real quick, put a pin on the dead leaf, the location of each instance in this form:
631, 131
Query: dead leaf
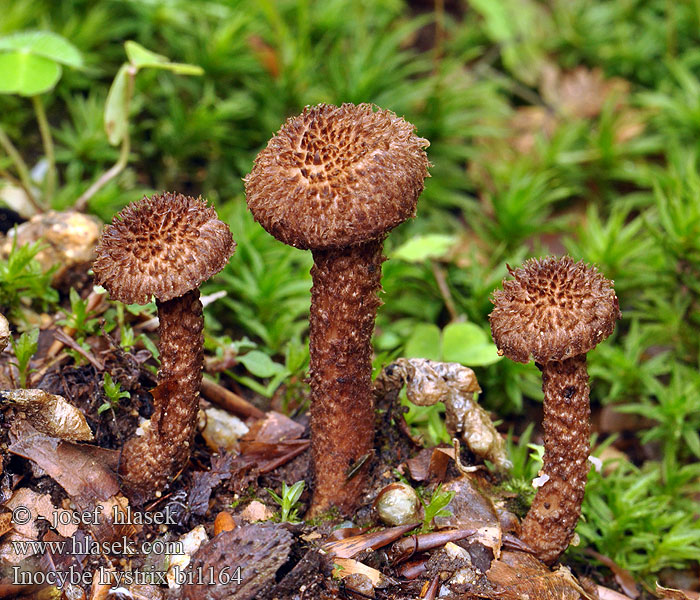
470, 509
622, 576
671, 594
343, 567
517, 575
203, 482
430, 464
83, 471
51, 414
40, 506
605, 593
5, 523
275, 427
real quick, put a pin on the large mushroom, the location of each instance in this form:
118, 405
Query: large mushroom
165, 246
556, 310
335, 180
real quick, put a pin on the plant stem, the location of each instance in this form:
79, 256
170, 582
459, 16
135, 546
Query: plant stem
47, 141
122, 161
21, 167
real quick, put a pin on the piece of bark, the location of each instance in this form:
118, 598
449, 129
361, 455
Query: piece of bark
258, 550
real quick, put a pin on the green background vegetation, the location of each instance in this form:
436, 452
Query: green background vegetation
566, 126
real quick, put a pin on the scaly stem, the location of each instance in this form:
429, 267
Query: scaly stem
21, 167
47, 141
150, 461
552, 518
344, 305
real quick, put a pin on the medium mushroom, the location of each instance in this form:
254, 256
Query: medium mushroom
165, 246
556, 310
335, 180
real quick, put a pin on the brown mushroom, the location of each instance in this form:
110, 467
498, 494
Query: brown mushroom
335, 180
556, 310
165, 246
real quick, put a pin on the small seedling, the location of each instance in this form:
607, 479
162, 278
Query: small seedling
78, 317
25, 347
113, 391
288, 501
436, 507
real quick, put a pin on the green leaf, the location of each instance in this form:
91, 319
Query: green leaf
424, 342
477, 356
26, 74
44, 43
498, 20
422, 247
141, 57
468, 344
260, 364
117, 107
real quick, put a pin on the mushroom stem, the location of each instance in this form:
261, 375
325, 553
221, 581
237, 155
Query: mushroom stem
149, 461
550, 523
344, 305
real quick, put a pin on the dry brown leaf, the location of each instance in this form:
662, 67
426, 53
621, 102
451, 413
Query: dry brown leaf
275, 427
470, 509
5, 523
605, 593
517, 575
671, 594
85, 472
40, 506
348, 566
622, 576
51, 414
430, 464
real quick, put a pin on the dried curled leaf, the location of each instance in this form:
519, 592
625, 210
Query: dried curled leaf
518, 575
50, 414
428, 382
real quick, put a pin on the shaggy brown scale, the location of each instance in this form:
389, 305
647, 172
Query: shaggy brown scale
335, 180
165, 246
556, 310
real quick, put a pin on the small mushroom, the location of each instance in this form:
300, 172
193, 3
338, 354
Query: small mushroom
556, 310
165, 246
335, 180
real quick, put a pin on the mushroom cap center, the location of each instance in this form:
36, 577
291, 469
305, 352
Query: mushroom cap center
337, 176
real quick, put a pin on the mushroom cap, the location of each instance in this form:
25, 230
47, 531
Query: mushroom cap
337, 176
162, 246
553, 309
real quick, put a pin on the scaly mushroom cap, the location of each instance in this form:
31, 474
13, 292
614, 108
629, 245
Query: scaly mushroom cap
554, 309
337, 176
163, 246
